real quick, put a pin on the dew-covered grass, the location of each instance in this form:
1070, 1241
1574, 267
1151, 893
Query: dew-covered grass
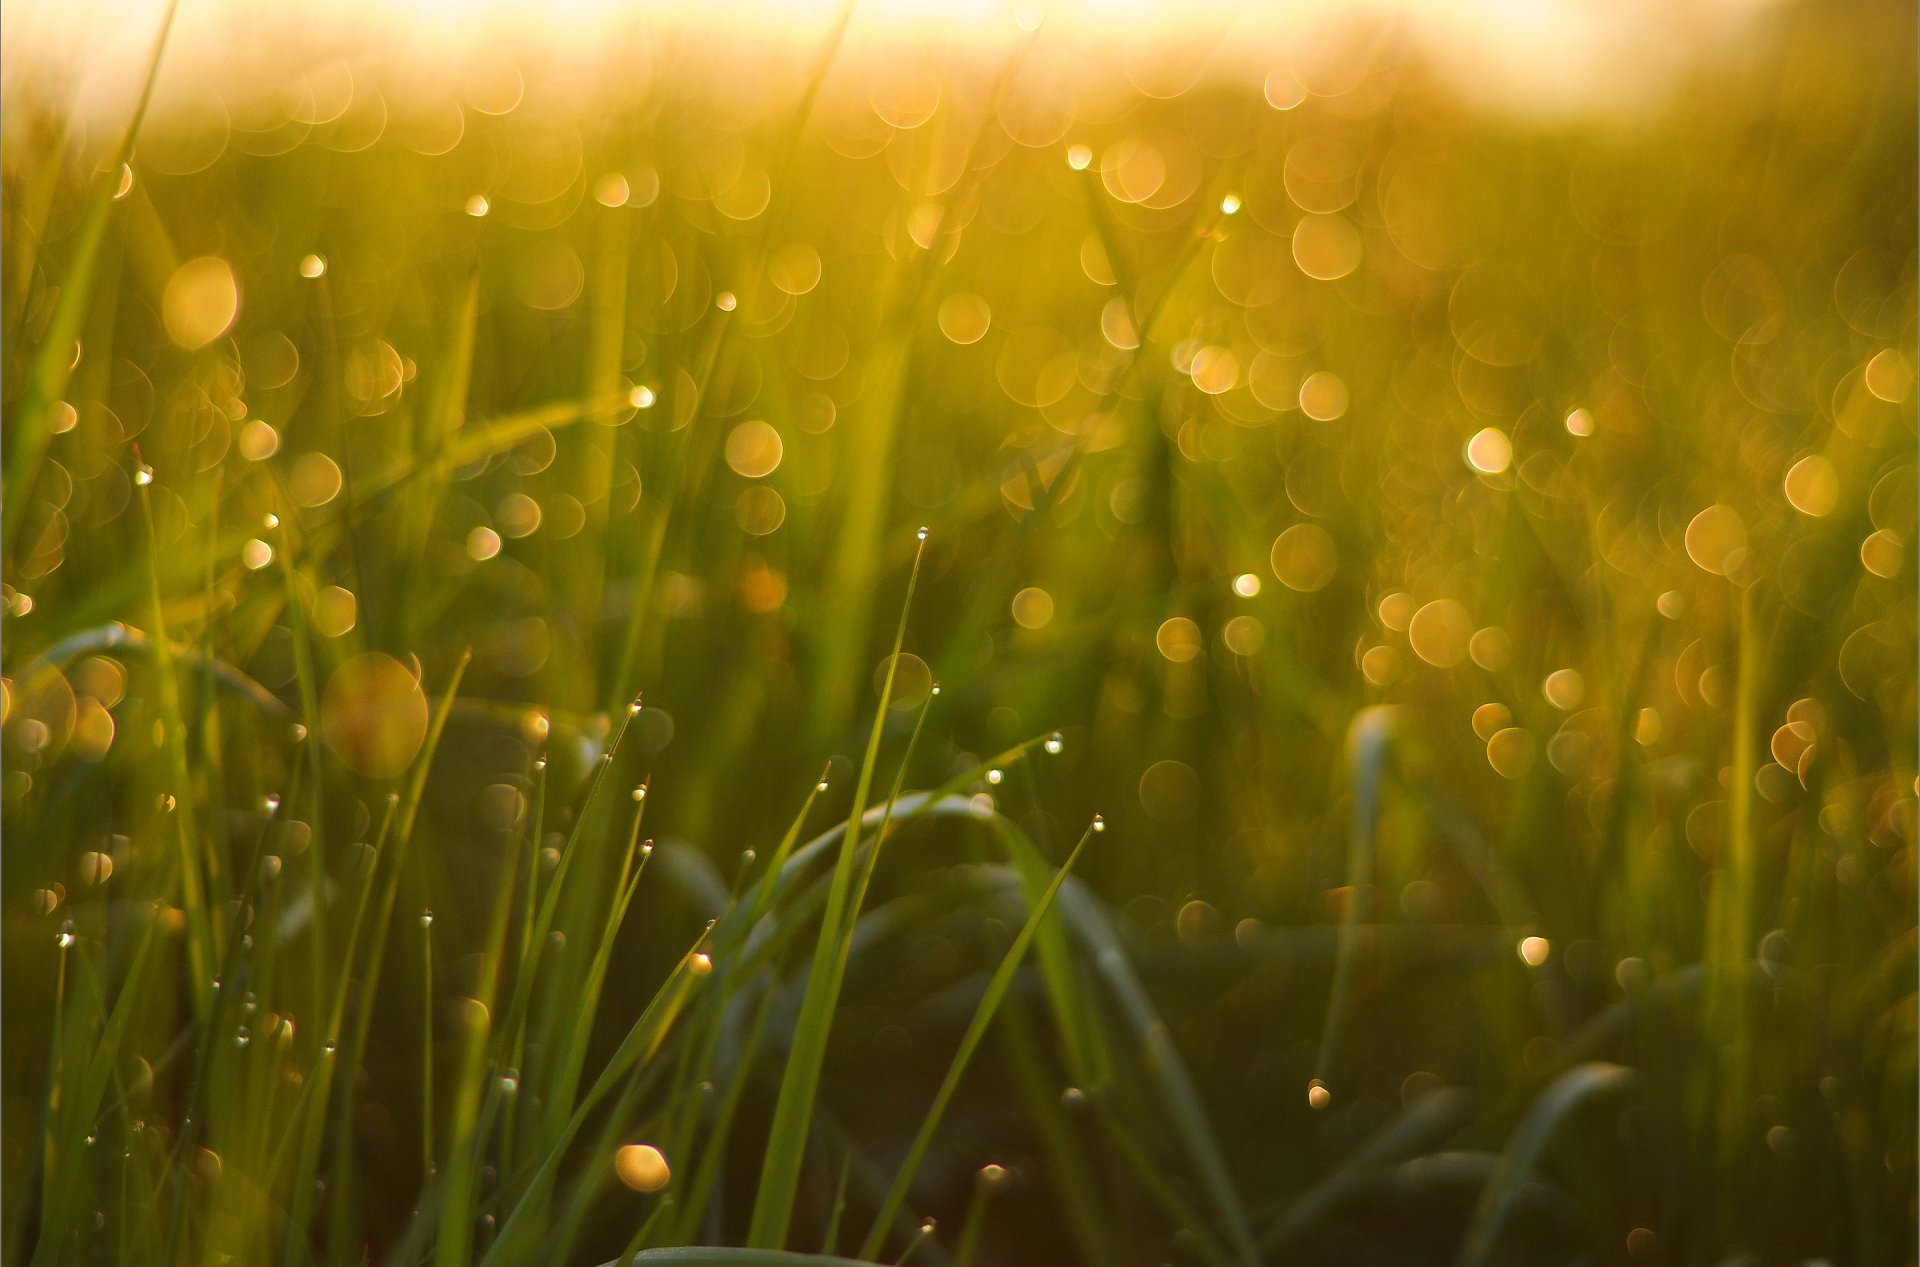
1394, 744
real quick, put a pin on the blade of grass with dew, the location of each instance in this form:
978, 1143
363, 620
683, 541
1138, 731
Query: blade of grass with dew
986, 1180
306, 1168
990, 1000
408, 812
93, 1084
662, 1010
1098, 1229
202, 917
800, 1079
524, 1027
574, 1053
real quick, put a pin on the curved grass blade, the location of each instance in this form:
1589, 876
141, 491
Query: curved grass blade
1549, 1113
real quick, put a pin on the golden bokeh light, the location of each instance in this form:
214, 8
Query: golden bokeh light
1304, 558
373, 714
201, 300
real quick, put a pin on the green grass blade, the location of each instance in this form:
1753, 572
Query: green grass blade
31, 428
800, 1080
990, 1000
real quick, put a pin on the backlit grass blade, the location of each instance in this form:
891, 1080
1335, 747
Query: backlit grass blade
800, 1079
990, 1000
31, 421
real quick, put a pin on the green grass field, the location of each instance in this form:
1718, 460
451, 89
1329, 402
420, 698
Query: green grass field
1422, 765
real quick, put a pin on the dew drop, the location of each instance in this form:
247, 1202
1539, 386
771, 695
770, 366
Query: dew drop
1055, 743
1073, 1098
922, 534
994, 776
426, 919
241, 1037
821, 786
143, 475
297, 732
270, 802
1099, 823
1318, 1097
640, 793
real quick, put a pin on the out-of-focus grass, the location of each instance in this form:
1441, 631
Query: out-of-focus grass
362, 464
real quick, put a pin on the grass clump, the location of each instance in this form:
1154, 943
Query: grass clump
494, 773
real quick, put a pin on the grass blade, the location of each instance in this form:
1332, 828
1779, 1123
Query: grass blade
990, 1000
800, 1080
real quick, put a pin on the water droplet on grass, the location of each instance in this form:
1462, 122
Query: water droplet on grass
1055, 743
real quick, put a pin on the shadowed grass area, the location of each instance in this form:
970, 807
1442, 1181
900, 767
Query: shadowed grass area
1451, 574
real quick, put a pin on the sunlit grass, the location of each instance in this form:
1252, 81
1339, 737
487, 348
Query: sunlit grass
1451, 574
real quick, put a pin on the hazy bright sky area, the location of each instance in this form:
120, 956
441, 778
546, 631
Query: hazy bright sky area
1546, 55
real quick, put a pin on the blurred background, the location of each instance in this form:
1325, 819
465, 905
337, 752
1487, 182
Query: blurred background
1542, 372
